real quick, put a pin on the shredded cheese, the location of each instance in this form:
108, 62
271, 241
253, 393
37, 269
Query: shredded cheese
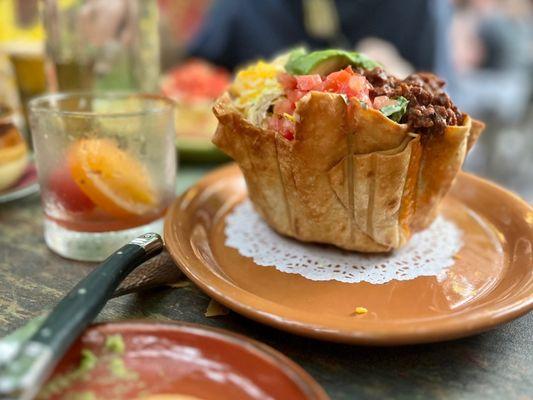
250, 83
291, 118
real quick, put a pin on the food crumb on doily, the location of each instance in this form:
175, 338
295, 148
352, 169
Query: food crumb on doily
360, 310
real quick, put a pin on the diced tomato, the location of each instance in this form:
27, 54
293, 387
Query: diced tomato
67, 192
309, 82
284, 106
357, 83
274, 123
288, 128
282, 125
289, 135
295, 95
336, 81
383, 101
288, 82
347, 82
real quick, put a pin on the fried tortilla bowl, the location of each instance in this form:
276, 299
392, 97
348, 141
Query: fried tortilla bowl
351, 177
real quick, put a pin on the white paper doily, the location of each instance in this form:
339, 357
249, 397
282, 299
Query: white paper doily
428, 253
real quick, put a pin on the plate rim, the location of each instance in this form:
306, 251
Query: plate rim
471, 322
198, 149
13, 193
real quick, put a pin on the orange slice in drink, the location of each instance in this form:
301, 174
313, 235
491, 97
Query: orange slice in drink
111, 177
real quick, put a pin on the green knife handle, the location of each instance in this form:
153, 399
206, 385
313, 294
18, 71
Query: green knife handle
71, 316
83, 303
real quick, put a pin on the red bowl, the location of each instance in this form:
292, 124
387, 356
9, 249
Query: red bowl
180, 359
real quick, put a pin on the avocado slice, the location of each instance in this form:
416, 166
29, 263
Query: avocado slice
324, 62
296, 53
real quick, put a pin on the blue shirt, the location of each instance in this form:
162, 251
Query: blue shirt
237, 31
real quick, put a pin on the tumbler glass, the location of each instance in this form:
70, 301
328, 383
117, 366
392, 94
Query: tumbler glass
102, 44
106, 165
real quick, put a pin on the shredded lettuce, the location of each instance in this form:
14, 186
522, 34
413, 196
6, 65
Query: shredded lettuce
396, 111
257, 111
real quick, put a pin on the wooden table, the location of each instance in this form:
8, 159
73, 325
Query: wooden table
493, 365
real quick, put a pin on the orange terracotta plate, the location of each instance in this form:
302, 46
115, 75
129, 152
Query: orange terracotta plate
490, 283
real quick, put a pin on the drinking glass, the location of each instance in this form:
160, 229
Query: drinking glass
22, 41
106, 165
28, 64
102, 44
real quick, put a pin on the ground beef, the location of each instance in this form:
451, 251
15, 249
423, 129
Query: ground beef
429, 110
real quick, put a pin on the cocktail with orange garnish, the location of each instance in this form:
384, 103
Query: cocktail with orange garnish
106, 167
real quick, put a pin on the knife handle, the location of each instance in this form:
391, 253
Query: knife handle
74, 312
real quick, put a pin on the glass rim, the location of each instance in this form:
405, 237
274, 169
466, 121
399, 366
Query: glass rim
41, 104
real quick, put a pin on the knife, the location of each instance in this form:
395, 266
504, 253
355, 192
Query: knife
24, 367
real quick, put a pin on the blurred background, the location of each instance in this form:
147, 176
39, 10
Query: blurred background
188, 49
